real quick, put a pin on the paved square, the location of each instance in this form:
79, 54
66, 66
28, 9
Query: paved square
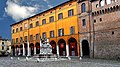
7, 62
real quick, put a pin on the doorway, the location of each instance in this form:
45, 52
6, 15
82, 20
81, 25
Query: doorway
85, 48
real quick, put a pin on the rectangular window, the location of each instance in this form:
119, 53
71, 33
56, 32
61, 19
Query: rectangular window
31, 25
83, 22
16, 40
31, 37
94, 21
13, 31
43, 21
44, 35
2, 47
61, 32
51, 34
21, 40
51, 19
37, 23
70, 12
2, 42
17, 30
60, 16
37, 37
20, 28
72, 30
100, 19
25, 38
83, 7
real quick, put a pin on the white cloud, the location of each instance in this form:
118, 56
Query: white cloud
21, 9
50, 6
18, 12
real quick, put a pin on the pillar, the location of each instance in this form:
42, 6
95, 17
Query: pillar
34, 50
28, 47
23, 50
40, 43
105, 2
81, 54
67, 50
58, 50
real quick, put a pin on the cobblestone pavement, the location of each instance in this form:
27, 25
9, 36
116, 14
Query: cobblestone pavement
7, 62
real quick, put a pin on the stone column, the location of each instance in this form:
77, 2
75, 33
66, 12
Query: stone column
40, 44
67, 50
58, 50
28, 47
34, 50
81, 54
105, 2
23, 50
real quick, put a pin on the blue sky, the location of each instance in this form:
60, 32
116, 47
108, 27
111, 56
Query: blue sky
12, 11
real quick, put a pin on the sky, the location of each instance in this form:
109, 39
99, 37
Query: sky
12, 11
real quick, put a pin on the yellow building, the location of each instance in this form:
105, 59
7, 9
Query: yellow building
58, 24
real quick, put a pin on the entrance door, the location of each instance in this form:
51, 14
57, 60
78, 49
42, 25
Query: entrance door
26, 51
13, 50
62, 47
53, 44
37, 48
21, 49
85, 48
73, 47
32, 49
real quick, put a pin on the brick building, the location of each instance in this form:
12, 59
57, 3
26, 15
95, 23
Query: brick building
106, 28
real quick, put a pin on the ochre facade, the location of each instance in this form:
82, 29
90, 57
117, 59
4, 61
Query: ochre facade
65, 23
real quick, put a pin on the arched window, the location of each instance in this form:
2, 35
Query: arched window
13, 31
102, 2
97, 5
108, 1
16, 29
83, 7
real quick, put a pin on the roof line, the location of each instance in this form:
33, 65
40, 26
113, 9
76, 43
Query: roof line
43, 12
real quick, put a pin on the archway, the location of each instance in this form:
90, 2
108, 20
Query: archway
21, 49
17, 50
62, 47
37, 48
32, 49
13, 50
25, 46
53, 44
85, 48
73, 47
